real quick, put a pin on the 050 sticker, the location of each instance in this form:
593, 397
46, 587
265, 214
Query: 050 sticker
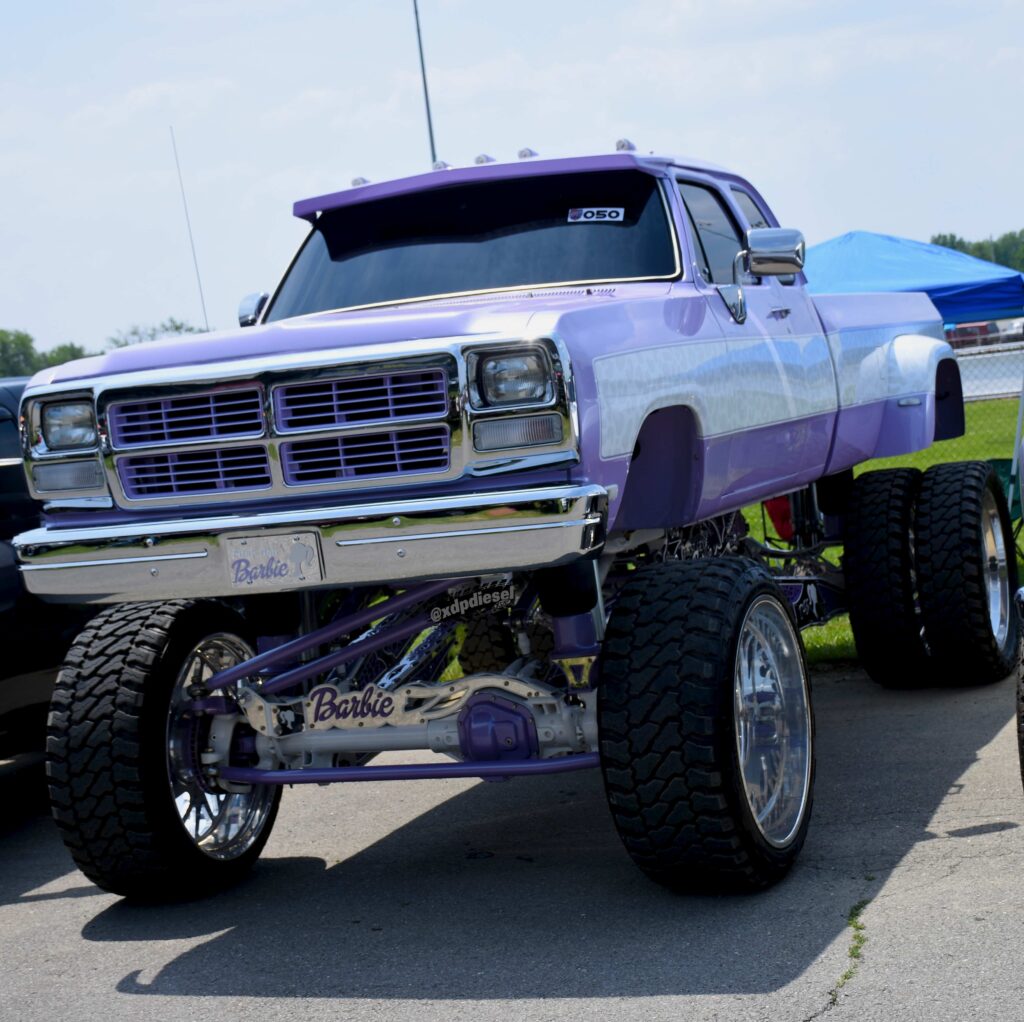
590, 214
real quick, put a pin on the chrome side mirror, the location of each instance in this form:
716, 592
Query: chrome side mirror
774, 251
770, 252
250, 307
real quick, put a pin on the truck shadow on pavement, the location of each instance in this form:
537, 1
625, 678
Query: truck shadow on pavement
523, 889
31, 854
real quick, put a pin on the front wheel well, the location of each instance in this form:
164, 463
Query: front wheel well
666, 472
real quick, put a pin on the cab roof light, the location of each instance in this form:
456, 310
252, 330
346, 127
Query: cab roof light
527, 153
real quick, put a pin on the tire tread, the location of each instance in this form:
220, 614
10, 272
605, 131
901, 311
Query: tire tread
951, 571
96, 758
665, 738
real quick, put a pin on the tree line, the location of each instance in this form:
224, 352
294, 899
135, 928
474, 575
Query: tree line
1007, 249
19, 356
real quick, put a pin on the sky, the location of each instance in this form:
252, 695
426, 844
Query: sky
900, 117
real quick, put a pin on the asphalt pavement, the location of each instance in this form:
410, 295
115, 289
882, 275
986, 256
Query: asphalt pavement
515, 901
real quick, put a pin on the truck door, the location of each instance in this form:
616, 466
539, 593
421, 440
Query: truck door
782, 401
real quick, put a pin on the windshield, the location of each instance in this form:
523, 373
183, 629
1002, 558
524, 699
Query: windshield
558, 229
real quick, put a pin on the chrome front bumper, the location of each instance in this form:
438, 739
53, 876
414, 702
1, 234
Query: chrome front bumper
401, 541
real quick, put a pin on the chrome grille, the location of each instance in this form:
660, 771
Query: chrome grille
355, 400
198, 417
372, 455
185, 473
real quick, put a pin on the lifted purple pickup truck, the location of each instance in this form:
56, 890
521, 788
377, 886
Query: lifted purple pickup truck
469, 483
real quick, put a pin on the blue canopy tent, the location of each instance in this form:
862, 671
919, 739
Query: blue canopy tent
963, 288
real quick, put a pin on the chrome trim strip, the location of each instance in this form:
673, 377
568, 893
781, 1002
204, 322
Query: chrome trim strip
10, 462
461, 532
116, 560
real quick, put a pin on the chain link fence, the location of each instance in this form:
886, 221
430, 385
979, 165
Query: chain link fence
991, 363
992, 373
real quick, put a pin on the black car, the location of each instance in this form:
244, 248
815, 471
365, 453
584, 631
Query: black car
34, 635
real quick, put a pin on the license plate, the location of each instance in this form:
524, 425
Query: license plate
274, 562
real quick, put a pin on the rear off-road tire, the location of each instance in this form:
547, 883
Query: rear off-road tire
881, 578
967, 573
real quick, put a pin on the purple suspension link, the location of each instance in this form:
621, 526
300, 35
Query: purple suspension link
410, 771
350, 652
291, 651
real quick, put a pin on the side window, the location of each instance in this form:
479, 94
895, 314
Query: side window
716, 232
756, 218
749, 209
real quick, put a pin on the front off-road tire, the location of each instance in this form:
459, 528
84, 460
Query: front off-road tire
967, 573
705, 724
881, 578
120, 734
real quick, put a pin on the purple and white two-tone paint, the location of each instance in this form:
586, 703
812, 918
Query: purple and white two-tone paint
402, 508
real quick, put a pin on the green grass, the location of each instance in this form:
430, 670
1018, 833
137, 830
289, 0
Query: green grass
853, 952
991, 426
830, 642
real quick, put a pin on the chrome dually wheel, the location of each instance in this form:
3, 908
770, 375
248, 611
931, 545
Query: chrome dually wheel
996, 568
772, 720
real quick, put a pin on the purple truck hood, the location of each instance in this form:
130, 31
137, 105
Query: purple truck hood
475, 317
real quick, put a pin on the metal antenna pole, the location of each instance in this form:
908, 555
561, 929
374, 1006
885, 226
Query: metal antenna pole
426, 94
188, 224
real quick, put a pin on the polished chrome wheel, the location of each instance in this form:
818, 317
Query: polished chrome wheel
997, 572
222, 825
773, 721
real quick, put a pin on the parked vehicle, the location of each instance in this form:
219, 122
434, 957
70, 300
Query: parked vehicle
970, 335
37, 634
525, 403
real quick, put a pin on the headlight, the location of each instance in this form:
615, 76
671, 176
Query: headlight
69, 425
511, 378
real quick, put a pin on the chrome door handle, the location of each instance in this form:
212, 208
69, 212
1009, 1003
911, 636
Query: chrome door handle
780, 312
